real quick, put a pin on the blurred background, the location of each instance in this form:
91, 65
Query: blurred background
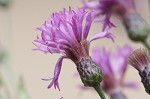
18, 25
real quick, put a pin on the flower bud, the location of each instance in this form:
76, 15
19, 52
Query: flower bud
136, 27
140, 60
4, 3
89, 72
145, 78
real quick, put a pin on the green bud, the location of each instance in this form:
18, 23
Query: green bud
89, 72
136, 27
4, 3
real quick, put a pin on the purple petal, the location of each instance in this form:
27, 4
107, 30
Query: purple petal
89, 20
53, 50
131, 84
41, 48
91, 4
74, 27
56, 74
102, 35
43, 30
107, 24
117, 64
125, 51
103, 62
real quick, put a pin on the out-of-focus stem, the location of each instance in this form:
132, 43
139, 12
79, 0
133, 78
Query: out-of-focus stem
100, 91
7, 30
8, 39
146, 44
6, 90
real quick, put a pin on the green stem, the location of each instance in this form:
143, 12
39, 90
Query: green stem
100, 91
7, 26
146, 44
6, 90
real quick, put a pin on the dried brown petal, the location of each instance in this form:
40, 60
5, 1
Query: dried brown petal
139, 59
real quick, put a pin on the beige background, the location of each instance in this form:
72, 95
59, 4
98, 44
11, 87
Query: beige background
25, 16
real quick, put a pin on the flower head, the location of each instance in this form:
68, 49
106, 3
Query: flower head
140, 59
109, 7
113, 66
66, 32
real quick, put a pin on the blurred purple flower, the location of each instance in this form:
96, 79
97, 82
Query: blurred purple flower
114, 66
109, 7
66, 32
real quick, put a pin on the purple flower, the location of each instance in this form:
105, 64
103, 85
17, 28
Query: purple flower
66, 32
109, 7
113, 66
